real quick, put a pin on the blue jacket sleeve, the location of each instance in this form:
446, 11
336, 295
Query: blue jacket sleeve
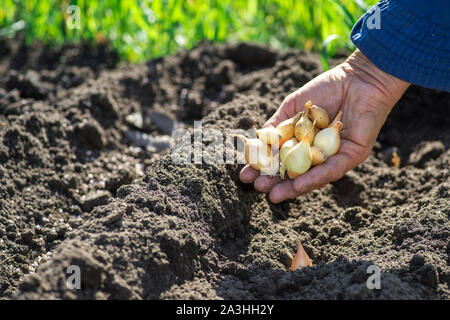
409, 39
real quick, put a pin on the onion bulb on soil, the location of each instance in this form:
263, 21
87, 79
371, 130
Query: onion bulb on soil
259, 155
303, 126
301, 258
318, 114
285, 148
329, 139
318, 156
299, 158
269, 135
287, 128
396, 160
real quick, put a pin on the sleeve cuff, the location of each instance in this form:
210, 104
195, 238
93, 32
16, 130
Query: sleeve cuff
405, 46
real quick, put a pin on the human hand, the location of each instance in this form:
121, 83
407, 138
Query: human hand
364, 93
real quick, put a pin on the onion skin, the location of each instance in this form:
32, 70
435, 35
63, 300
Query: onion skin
318, 157
329, 139
301, 258
269, 135
282, 170
303, 126
274, 167
299, 158
316, 130
287, 128
318, 114
259, 155
285, 148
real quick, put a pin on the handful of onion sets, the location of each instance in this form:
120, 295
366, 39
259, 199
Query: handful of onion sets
296, 144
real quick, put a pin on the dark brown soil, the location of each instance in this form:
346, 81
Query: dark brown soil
76, 191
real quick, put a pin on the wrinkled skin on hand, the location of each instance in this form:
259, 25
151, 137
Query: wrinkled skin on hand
366, 96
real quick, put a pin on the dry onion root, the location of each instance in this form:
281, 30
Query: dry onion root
308, 139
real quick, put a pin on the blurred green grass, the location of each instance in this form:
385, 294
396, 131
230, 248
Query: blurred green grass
140, 30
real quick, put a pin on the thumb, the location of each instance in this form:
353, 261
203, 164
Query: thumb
286, 110
291, 105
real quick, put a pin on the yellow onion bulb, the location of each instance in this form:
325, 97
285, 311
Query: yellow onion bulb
258, 155
301, 258
303, 126
269, 135
299, 158
329, 139
318, 156
318, 114
274, 166
284, 150
287, 128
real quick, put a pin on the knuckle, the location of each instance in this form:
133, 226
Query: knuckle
288, 101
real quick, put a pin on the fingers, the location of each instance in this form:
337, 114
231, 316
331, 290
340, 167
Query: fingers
284, 111
248, 174
315, 178
333, 169
266, 183
283, 191
349, 156
262, 183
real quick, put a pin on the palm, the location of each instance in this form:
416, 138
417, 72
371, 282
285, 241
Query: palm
364, 110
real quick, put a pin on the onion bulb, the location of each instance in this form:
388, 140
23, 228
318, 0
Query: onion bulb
299, 158
303, 126
301, 258
329, 139
287, 128
269, 135
285, 148
318, 114
259, 155
318, 157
